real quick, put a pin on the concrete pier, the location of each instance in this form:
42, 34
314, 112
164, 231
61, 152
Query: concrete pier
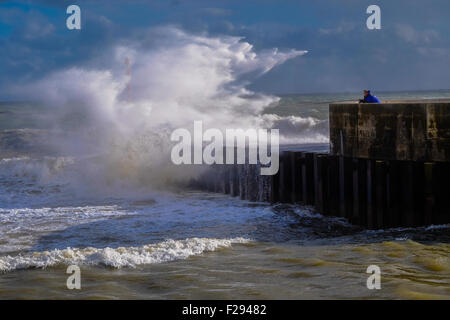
393, 130
388, 166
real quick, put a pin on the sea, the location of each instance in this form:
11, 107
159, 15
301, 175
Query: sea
71, 206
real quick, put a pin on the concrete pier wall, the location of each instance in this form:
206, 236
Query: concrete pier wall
393, 130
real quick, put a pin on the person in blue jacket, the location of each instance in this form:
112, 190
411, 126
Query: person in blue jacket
369, 98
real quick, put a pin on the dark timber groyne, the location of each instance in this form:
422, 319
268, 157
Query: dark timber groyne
388, 166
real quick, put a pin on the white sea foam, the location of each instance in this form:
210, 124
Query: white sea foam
22, 227
438, 227
297, 129
74, 213
165, 251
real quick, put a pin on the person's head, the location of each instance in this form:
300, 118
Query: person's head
366, 93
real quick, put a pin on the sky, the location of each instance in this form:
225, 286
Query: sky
411, 51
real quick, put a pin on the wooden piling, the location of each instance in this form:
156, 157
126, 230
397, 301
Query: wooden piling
242, 176
234, 181
345, 187
252, 176
219, 179
274, 187
297, 183
210, 180
419, 193
264, 188
429, 188
371, 210
320, 183
359, 215
285, 183
393, 194
407, 194
380, 182
308, 178
332, 185
356, 205
442, 193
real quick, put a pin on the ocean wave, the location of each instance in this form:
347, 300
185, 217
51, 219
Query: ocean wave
298, 130
26, 141
22, 227
179, 79
33, 168
14, 214
168, 250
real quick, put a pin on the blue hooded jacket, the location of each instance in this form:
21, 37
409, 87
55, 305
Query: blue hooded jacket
371, 99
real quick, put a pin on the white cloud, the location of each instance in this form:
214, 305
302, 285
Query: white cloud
413, 36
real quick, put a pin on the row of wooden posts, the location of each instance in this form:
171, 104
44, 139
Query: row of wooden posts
371, 193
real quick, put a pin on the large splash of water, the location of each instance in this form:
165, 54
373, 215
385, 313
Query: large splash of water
123, 118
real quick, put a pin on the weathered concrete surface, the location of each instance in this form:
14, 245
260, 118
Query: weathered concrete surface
393, 130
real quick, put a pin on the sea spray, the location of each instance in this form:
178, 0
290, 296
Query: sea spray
126, 118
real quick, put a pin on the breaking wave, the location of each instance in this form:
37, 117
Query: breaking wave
299, 130
165, 251
127, 106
